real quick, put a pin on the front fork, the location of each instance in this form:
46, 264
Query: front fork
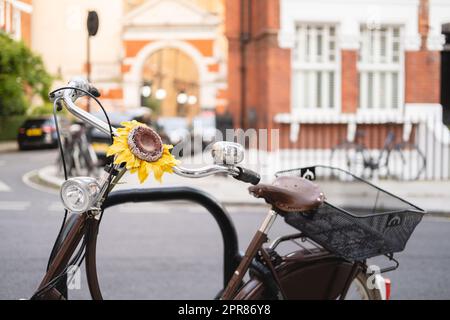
258, 240
61, 259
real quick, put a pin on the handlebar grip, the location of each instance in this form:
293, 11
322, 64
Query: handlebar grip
248, 176
94, 91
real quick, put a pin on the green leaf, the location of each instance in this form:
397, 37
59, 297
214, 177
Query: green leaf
22, 76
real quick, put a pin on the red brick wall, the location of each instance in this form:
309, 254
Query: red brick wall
314, 136
26, 24
327, 136
422, 74
132, 47
423, 68
206, 47
112, 94
234, 79
350, 85
26, 28
267, 66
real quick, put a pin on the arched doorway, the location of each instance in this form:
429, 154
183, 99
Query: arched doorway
171, 83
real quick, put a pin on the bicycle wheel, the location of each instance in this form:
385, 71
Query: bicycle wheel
359, 289
349, 156
406, 162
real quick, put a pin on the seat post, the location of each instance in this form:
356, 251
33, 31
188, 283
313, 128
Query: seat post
255, 245
268, 222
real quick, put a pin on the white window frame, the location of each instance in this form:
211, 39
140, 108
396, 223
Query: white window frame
16, 24
299, 89
8, 16
2, 13
379, 68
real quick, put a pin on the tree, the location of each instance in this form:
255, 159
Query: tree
22, 76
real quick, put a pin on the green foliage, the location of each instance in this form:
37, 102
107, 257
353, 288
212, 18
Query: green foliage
9, 127
22, 76
43, 110
12, 98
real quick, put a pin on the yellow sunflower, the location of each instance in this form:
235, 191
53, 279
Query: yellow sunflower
141, 149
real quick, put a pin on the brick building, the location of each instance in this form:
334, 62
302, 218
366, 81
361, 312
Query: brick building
294, 65
15, 19
312, 68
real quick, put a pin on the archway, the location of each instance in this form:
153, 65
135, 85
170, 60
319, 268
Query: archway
133, 78
171, 83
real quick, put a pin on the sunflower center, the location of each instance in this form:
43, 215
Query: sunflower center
145, 144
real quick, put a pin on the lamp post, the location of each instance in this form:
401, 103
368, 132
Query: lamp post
92, 27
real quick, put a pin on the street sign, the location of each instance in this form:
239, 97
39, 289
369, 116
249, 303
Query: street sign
92, 23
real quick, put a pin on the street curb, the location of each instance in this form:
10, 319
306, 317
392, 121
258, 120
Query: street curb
48, 176
8, 146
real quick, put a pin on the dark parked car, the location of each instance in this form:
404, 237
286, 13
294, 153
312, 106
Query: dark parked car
101, 141
37, 133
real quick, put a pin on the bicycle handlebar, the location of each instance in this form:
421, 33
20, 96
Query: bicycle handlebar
69, 96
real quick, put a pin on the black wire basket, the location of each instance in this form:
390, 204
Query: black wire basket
358, 220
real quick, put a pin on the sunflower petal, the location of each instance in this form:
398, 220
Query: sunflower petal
114, 148
134, 170
123, 156
158, 173
143, 172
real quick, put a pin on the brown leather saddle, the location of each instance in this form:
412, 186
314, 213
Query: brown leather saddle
290, 194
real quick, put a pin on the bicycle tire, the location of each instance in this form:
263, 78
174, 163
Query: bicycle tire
421, 161
352, 152
373, 294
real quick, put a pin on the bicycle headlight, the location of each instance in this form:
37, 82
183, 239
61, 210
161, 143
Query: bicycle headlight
79, 194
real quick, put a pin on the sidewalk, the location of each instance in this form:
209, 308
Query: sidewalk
8, 146
432, 196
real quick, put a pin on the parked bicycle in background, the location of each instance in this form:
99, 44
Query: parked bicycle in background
399, 159
79, 154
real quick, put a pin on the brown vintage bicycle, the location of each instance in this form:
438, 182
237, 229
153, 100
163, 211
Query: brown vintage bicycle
332, 246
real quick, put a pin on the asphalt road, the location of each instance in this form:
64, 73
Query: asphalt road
162, 251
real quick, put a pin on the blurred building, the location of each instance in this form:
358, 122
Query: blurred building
177, 49
314, 66
297, 65
15, 19
171, 53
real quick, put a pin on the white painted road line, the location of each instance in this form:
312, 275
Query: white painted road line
56, 206
14, 205
4, 187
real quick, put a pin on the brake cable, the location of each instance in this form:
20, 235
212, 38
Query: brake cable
80, 253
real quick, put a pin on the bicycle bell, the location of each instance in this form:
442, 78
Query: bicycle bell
229, 153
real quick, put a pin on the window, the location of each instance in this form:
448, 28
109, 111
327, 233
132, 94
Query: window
16, 24
380, 68
7, 16
2, 13
315, 67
